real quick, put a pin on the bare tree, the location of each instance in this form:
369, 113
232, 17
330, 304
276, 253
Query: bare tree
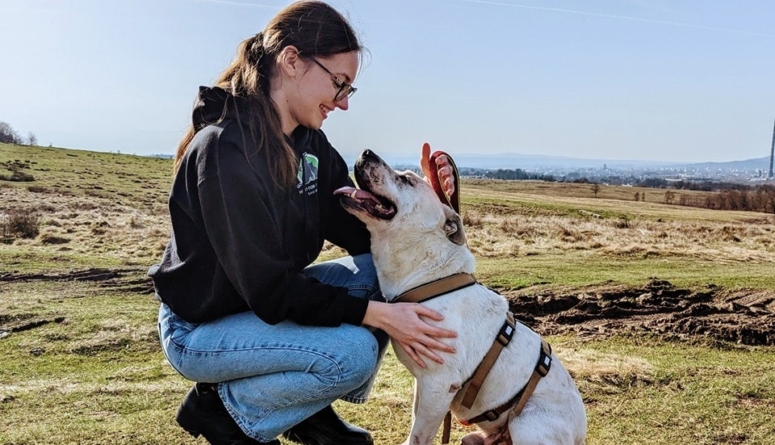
8, 135
32, 139
637, 196
669, 197
595, 189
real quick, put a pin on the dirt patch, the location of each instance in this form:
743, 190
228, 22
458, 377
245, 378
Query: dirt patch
75, 275
27, 325
123, 280
743, 317
23, 322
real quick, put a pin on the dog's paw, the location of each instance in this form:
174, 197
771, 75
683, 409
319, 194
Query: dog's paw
472, 439
478, 438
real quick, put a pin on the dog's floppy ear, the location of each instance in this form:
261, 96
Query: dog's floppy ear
453, 227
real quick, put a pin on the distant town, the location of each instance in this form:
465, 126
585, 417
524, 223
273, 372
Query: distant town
751, 172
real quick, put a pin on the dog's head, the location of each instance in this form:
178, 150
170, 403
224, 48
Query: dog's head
388, 198
411, 229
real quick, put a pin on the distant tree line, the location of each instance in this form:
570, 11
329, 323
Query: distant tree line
754, 199
702, 185
727, 196
505, 174
9, 136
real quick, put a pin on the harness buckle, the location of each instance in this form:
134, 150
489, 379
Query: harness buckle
491, 415
544, 365
505, 334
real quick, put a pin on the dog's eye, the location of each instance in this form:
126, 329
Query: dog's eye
405, 179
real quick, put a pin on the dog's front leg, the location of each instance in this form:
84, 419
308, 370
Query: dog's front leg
431, 403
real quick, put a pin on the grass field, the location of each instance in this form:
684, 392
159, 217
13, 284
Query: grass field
81, 362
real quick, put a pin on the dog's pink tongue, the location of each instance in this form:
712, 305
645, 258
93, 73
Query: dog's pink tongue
366, 201
353, 192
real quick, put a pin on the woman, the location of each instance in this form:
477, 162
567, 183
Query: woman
271, 340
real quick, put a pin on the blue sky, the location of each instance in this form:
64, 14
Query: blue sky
666, 80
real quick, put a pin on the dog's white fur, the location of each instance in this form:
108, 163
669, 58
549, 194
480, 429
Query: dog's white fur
423, 242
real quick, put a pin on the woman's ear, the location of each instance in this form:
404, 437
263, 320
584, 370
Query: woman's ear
289, 62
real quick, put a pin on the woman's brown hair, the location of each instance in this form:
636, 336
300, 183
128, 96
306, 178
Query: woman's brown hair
316, 30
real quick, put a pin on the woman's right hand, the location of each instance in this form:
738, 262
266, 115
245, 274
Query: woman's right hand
405, 324
445, 171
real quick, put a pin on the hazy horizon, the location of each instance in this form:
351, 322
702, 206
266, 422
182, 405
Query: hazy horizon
518, 160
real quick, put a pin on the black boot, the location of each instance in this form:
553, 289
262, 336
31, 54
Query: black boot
326, 428
202, 412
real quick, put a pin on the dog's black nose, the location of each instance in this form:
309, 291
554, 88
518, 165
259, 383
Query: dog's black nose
369, 155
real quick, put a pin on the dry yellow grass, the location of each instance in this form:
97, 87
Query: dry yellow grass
498, 235
91, 226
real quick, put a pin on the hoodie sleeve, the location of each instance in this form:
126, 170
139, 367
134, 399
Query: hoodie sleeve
242, 217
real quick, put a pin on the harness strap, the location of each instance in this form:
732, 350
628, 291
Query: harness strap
520, 399
476, 381
541, 369
436, 288
447, 428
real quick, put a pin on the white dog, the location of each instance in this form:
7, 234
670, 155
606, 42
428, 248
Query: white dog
415, 239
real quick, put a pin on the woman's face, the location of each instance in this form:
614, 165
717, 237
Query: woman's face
311, 97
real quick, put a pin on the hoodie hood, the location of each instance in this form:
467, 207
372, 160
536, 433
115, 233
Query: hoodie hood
214, 104
211, 106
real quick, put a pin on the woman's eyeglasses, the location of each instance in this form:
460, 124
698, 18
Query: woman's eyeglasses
345, 89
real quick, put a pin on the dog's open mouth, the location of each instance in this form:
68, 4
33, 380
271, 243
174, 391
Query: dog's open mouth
376, 206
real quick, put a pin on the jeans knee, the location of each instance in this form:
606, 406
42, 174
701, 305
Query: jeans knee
360, 360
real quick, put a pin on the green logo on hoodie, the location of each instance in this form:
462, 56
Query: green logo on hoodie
308, 172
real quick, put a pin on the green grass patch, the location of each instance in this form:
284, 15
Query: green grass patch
588, 268
135, 180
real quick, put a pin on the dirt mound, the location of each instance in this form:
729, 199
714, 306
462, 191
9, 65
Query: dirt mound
744, 317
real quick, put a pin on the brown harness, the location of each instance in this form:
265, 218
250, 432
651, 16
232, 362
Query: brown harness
437, 288
474, 384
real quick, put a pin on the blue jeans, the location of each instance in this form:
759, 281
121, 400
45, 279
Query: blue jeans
272, 377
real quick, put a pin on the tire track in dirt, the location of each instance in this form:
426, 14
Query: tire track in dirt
110, 280
125, 280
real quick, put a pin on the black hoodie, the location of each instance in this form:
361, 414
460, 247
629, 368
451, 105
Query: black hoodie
239, 243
